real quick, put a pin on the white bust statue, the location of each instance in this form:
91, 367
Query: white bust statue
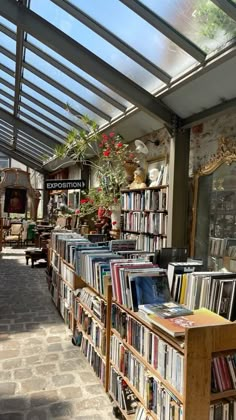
153, 176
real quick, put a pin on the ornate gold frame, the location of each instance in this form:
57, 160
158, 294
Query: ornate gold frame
226, 153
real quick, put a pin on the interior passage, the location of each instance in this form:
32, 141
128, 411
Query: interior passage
42, 375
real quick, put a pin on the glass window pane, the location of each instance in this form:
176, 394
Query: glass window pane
61, 96
201, 21
77, 70
71, 84
45, 113
104, 49
31, 151
7, 90
8, 78
49, 103
41, 120
7, 23
8, 62
23, 118
8, 43
35, 143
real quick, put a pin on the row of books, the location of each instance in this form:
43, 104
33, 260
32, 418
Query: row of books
153, 223
220, 247
58, 241
122, 393
223, 373
136, 283
94, 267
212, 290
167, 361
66, 294
223, 410
92, 329
146, 242
94, 302
150, 200
94, 358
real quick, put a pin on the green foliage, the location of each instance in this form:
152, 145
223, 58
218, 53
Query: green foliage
212, 19
107, 154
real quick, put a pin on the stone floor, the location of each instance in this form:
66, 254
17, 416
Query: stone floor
42, 375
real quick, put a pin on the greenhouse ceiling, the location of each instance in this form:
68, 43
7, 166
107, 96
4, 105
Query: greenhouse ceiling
110, 59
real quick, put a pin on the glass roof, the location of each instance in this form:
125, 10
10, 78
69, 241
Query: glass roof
137, 49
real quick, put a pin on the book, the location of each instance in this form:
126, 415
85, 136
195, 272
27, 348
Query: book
176, 326
166, 310
148, 288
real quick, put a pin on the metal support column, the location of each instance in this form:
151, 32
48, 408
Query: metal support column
178, 188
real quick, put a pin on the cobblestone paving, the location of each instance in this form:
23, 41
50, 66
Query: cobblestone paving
42, 375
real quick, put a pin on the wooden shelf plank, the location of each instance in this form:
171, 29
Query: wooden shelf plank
225, 394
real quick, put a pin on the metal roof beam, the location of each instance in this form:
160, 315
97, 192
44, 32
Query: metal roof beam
75, 76
58, 86
207, 113
41, 105
27, 148
26, 160
41, 124
27, 128
25, 137
83, 58
114, 40
18, 68
227, 6
66, 70
34, 145
166, 29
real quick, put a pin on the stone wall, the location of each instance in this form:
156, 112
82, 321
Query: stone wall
205, 137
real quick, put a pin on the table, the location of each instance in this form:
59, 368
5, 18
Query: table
35, 255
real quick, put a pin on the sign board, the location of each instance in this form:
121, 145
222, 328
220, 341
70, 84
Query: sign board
64, 184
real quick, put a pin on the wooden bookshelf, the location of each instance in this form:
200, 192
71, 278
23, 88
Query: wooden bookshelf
198, 347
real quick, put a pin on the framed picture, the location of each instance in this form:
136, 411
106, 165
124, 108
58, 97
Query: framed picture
15, 200
157, 172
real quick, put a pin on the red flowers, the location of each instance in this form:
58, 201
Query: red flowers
114, 223
77, 211
84, 200
119, 145
106, 153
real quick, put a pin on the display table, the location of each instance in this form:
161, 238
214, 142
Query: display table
34, 255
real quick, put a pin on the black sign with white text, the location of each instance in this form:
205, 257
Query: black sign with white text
65, 184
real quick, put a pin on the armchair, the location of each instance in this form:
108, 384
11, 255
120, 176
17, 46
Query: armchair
14, 234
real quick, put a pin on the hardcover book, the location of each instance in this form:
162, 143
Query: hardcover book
177, 326
148, 288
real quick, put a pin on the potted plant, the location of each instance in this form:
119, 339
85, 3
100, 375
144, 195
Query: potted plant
109, 156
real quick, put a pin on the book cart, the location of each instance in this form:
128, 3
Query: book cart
144, 216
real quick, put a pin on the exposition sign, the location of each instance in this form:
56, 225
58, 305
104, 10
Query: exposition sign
65, 184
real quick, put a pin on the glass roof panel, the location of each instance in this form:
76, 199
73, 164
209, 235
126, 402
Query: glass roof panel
28, 151
44, 112
21, 135
61, 96
49, 103
40, 128
71, 84
7, 62
201, 21
7, 23
9, 101
8, 78
7, 89
77, 70
103, 49
41, 120
8, 43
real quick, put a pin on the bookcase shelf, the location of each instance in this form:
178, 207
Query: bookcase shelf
196, 350
149, 367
